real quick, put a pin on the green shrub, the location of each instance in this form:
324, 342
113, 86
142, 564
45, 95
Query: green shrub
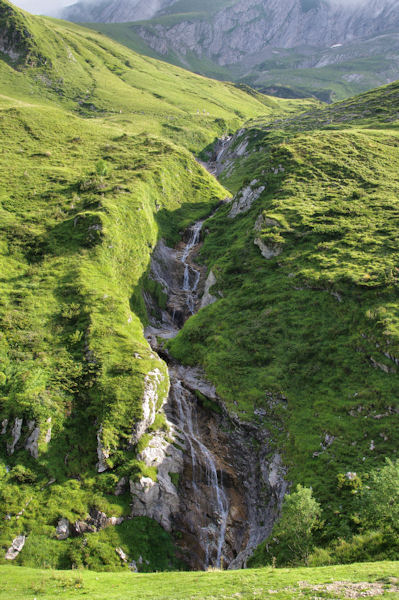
380, 498
101, 168
366, 547
292, 538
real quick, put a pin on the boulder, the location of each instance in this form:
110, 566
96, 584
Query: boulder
63, 529
15, 548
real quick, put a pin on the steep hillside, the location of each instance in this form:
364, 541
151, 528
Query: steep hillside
91, 179
177, 355
304, 336
275, 46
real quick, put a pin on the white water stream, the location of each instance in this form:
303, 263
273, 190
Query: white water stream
207, 491
191, 274
202, 461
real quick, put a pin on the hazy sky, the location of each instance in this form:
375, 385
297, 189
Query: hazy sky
42, 6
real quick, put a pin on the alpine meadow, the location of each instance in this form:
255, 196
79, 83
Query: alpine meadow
199, 310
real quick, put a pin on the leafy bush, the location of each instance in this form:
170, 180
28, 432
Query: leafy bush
292, 538
380, 498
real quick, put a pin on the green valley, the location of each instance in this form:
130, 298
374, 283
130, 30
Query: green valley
199, 335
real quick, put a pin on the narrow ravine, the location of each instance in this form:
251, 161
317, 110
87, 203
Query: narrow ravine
206, 483
227, 495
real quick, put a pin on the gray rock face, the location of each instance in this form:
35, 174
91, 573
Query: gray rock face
62, 531
102, 453
114, 11
207, 298
210, 487
15, 548
249, 26
159, 499
149, 404
245, 198
32, 442
15, 435
268, 251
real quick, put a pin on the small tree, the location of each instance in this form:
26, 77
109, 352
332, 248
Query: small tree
380, 498
294, 533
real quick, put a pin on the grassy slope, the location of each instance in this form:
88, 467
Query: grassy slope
311, 336
91, 177
281, 584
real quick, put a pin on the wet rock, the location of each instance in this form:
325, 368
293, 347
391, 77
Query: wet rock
4, 424
15, 548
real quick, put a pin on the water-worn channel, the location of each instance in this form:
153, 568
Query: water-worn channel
230, 483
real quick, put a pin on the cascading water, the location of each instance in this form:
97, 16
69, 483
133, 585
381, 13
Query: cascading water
207, 498
227, 498
203, 463
203, 471
192, 275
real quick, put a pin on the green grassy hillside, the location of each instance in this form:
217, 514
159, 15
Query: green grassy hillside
375, 580
309, 329
95, 167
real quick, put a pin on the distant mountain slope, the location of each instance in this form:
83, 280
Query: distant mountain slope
267, 43
114, 11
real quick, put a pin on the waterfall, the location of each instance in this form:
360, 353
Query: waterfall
191, 286
203, 465
207, 498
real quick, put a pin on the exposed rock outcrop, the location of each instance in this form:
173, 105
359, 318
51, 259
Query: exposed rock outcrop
268, 250
62, 531
248, 28
15, 548
102, 453
159, 499
207, 297
150, 404
32, 442
245, 198
15, 435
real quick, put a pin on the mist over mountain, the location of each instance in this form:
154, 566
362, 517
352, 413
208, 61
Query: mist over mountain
114, 11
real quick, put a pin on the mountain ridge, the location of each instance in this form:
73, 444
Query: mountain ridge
264, 43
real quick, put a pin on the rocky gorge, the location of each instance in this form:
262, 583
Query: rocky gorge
220, 485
